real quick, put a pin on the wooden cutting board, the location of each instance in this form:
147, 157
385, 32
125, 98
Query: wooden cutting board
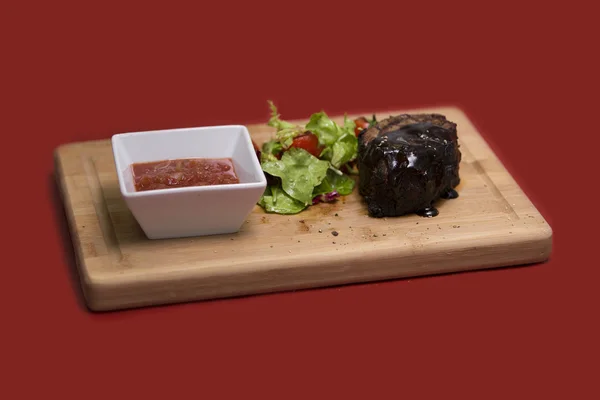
491, 224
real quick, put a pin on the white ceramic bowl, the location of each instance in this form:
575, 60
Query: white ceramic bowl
190, 211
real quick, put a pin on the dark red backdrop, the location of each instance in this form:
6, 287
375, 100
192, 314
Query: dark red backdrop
525, 72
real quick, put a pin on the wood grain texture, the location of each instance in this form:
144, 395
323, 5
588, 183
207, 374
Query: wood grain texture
491, 224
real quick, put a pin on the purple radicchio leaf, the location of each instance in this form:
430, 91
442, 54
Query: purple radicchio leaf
326, 198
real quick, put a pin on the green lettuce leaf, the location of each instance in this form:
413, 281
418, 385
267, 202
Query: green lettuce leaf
299, 171
349, 125
344, 149
325, 128
276, 200
269, 150
343, 184
340, 143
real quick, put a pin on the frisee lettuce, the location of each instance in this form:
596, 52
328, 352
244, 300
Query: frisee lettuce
270, 150
275, 121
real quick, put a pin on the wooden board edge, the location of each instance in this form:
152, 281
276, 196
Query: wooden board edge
109, 294
99, 294
85, 280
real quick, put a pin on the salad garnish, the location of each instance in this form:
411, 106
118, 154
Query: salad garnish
310, 164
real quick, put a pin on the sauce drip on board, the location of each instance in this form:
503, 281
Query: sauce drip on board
185, 172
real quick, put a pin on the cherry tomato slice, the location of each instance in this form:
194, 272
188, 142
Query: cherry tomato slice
308, 142
361, 123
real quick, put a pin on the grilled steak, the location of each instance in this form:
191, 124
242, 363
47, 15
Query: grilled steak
406, 163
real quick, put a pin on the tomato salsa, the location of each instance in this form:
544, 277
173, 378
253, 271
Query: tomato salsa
183, 173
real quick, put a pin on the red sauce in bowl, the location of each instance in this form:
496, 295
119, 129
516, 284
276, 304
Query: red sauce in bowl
186, 172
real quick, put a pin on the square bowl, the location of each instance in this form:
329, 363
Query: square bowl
194, 210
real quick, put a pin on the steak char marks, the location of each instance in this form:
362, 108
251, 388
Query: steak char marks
406, 163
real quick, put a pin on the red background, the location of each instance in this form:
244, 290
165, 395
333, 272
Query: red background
526, 73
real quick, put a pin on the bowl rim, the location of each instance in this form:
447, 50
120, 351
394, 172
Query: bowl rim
255, 164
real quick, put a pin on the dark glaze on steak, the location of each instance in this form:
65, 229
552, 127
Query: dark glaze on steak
406, 163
